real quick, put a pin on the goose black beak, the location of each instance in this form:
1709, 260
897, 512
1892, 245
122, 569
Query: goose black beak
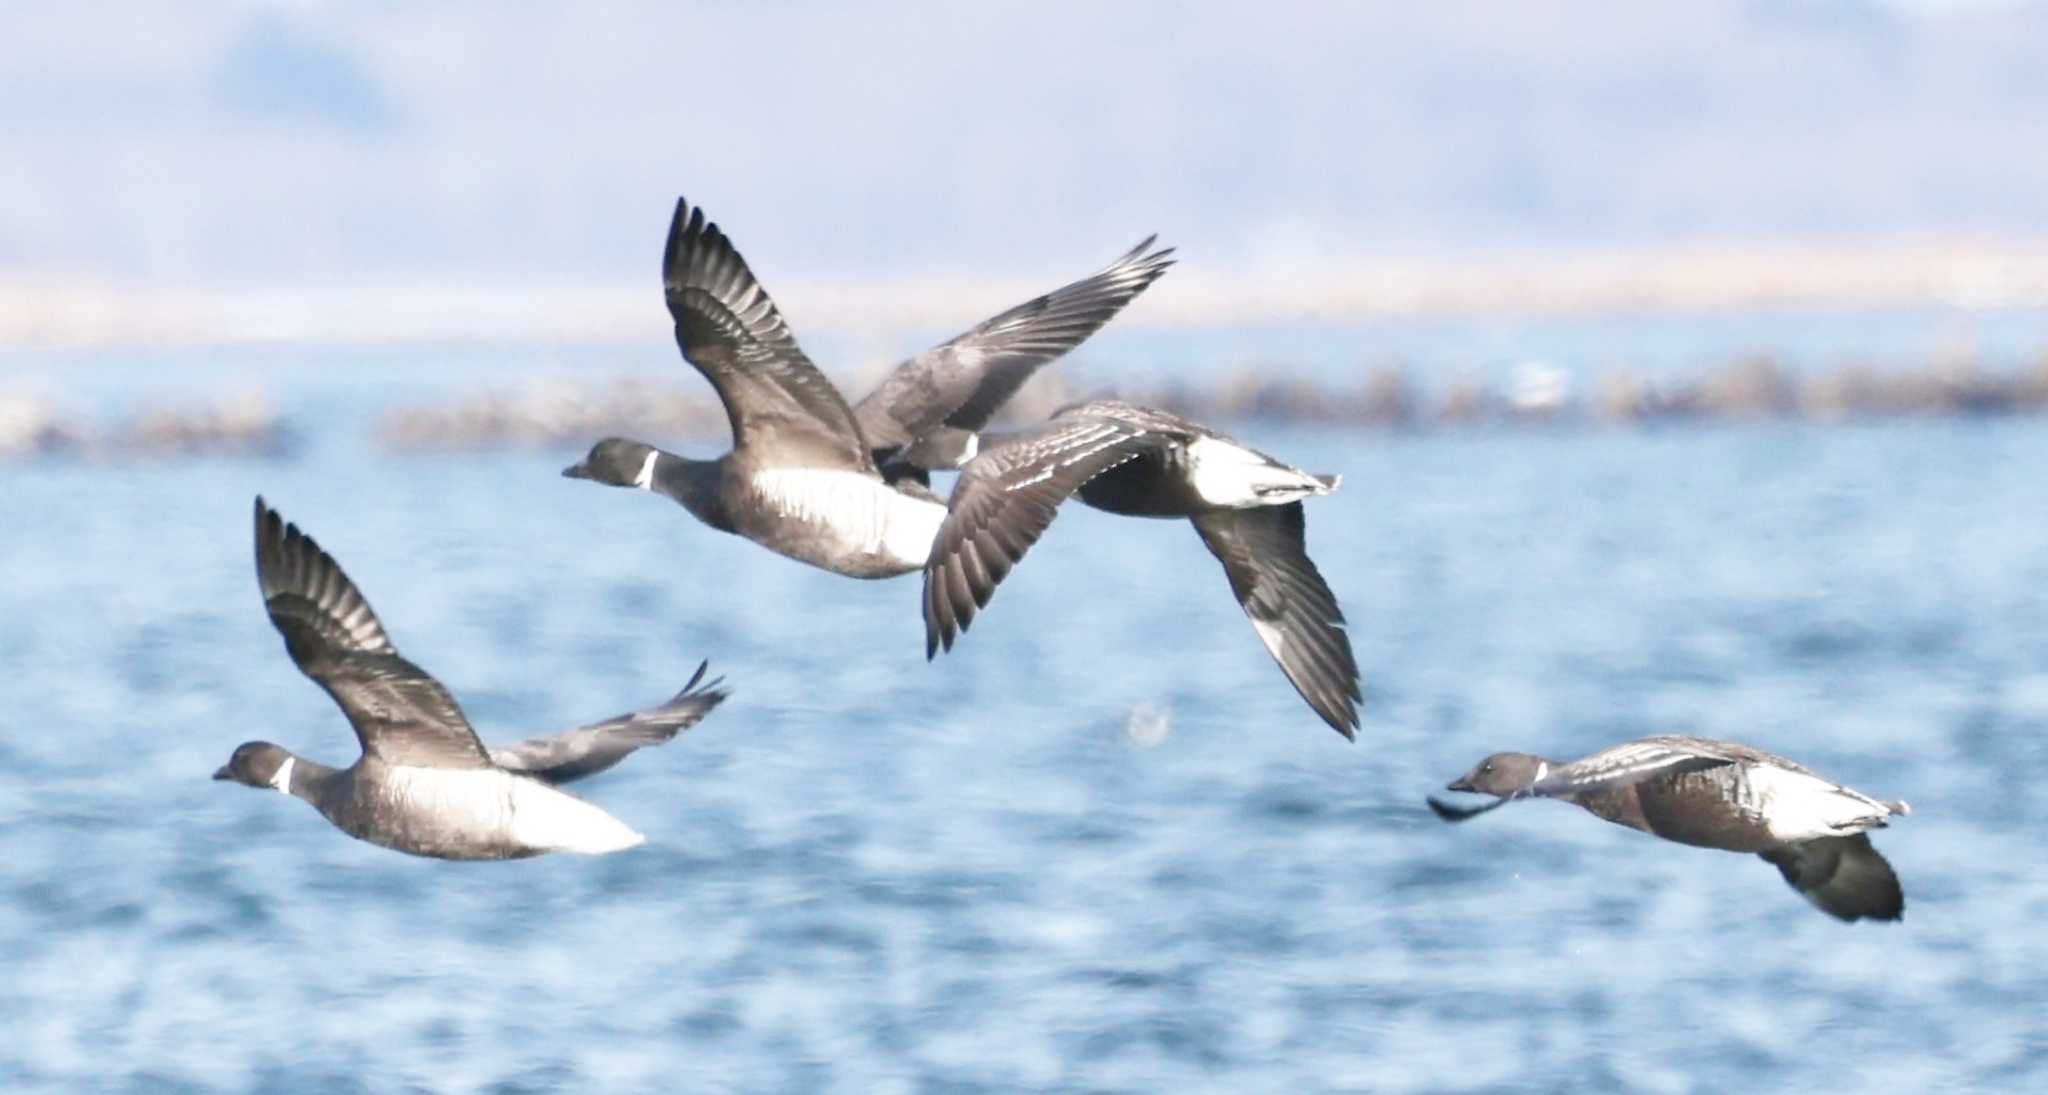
576, 471
223, 773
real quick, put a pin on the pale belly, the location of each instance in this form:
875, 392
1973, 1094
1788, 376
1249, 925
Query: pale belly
476, 814
844, 522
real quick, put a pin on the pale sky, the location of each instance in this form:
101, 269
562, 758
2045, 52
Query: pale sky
264, 145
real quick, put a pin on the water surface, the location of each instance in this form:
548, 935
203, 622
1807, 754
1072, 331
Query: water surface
868, 873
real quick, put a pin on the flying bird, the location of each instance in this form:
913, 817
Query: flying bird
1141, 462
1718, 794
841, 487
425, 784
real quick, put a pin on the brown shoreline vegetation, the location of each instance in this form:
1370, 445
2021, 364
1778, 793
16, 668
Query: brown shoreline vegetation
562, 414
242, 423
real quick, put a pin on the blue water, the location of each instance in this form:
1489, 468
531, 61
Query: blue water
867, 873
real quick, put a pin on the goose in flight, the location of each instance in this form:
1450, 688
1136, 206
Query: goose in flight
425, 784
810, 477
1141, 462
1718, 794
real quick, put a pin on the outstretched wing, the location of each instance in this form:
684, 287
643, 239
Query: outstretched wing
730, 330
1263, 553
1003, 501
1633, 762
1630, 763
962, 383
1843, 876
400, 714
586, 751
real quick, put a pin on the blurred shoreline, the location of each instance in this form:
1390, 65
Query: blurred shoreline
1965, 274
554, 413
559, 414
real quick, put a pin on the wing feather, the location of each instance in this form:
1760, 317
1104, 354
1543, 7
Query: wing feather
963, 382
400, 714
1003, 501
588, 750
1846, 877
729, 328
1264, 555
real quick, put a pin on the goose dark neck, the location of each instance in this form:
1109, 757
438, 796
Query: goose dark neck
302, 778
697, 484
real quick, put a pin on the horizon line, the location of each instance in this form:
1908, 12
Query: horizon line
89, 313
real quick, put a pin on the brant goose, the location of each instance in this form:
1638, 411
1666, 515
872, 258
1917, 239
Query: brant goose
1142, 462
1717, 794
425, 784
839, 487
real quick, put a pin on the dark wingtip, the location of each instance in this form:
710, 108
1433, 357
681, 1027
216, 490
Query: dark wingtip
687, 221
937, 642
1343, 719
1449, 812
713, 691
271, 535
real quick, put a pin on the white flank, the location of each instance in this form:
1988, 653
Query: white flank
282, 779
1542, 769
861, 513
1224, 474
1796, 806
543, 817
645, 480
489, 802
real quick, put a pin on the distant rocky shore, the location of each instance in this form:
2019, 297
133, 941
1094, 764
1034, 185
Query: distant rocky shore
556, 415
560, 414
235, 424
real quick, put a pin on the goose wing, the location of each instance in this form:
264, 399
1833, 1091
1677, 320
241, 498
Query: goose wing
1844, 876
731, 331
1004, 500
400, 714
962, 383
588, 750
1263, 554
1633, 762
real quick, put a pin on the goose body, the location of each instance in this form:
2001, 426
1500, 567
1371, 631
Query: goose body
480, 813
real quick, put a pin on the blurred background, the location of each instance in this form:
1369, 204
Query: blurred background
1394, 199
1685, 362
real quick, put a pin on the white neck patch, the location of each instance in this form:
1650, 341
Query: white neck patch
645, 480
283, 779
